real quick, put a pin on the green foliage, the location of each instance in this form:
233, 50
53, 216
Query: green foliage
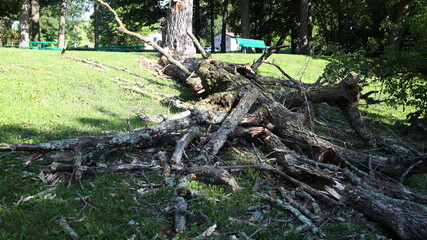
49, 23
418, 182
397, 74
9, 8
137, 16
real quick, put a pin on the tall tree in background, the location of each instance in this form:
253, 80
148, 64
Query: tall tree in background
96, 24
179, 21
271, 16
304, 34
35, 20
61, 31
196, 17
224, 27
395, 32
245, 27
259, 18
24, 28
212, 24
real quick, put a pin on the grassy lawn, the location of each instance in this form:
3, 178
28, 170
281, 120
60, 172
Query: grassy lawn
46, 97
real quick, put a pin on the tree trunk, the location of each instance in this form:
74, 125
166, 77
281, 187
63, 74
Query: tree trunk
61, 32
245, 19
396, 31
179, 21
35, 20
224, 27
212, 24
24, 36
197, 23
294, 28
96, 24
304, 28
270, 22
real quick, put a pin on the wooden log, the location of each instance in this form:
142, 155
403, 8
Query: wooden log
93, 171
144, 137
227, 127
217, 173
182, 143
407, 219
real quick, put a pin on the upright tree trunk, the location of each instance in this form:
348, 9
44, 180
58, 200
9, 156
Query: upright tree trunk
96, 24
179, 21
295, 29
244, 14
305, 28
395, 33
212, 23
35, 20
270, 22
24, 36
224, 27
61, 32
197, 23
259, 6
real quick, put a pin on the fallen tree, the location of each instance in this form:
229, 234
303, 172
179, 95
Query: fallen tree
236, 104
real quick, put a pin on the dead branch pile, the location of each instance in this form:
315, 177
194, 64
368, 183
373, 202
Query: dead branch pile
236, 104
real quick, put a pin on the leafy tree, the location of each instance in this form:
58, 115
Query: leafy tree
24, 35
9, 8
142, 17
35, 20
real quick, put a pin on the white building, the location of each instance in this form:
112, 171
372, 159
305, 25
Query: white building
230, 42
156, 38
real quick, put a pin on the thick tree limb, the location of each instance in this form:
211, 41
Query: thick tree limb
227, 127
216, 173
182, 143
91, 171
407, 219
322, 197
198, 46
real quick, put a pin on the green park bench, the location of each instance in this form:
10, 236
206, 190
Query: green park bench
31, 47
43, 46
251, 43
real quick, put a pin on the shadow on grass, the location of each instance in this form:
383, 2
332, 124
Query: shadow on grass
88, 127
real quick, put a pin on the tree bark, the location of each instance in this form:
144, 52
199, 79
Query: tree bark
179, 21
197, 23
35, 20
96, 24
61, 31
271, 8
24, 28
407, 219
212, 24
304, 28
245, 19
396, 32
224, 27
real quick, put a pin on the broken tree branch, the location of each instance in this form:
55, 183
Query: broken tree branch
147, 40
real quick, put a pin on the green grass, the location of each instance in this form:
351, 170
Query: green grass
304, 68
45, 97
